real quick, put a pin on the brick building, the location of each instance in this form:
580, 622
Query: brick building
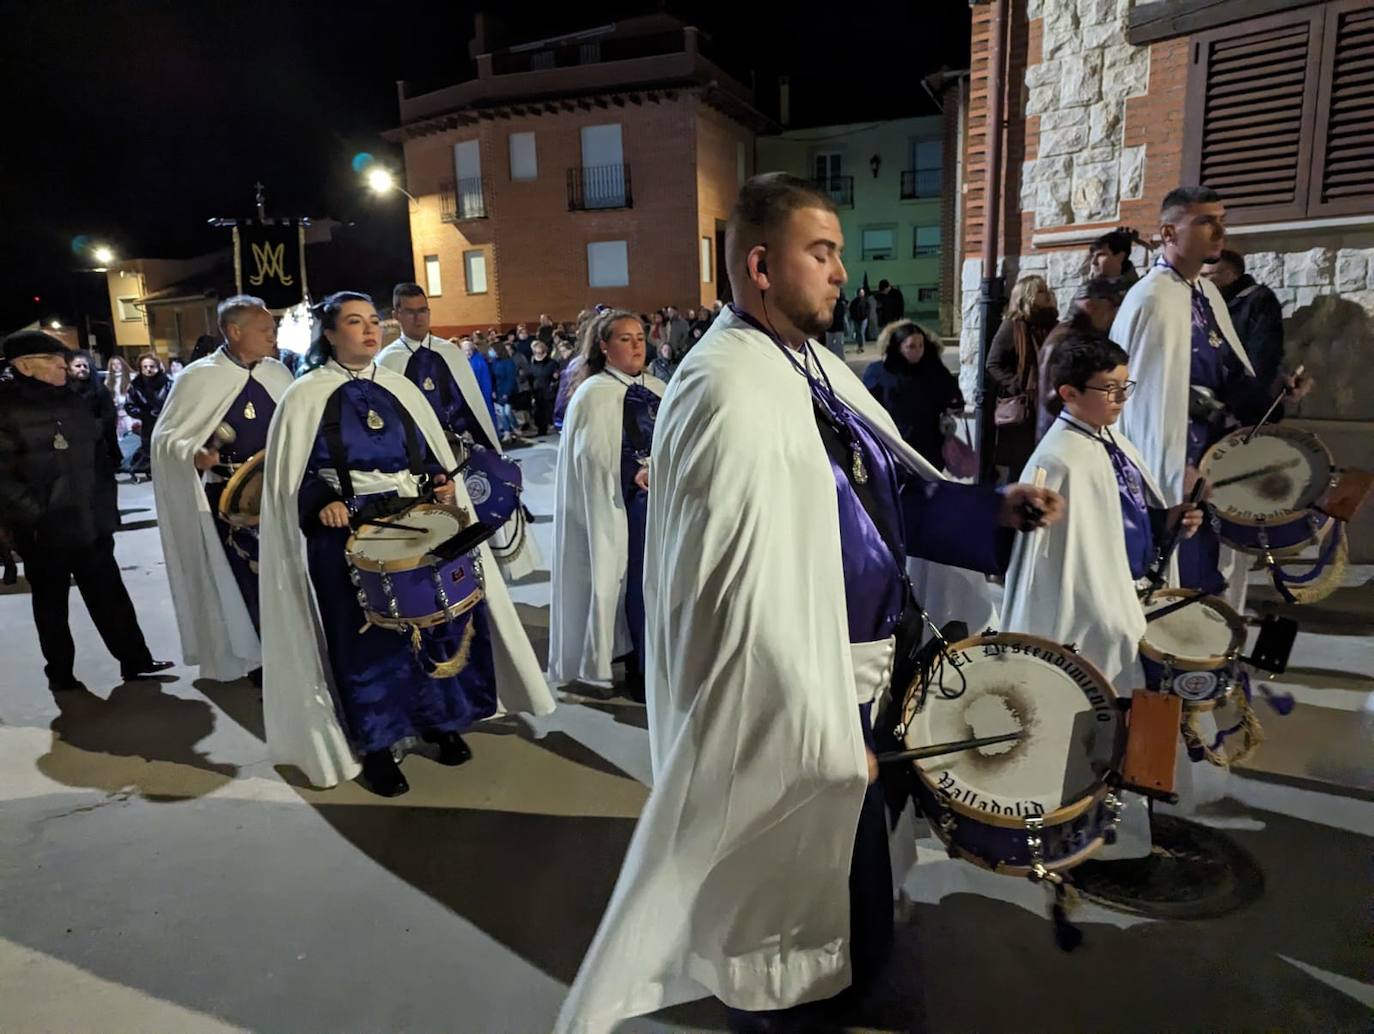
1111, 104
594, 167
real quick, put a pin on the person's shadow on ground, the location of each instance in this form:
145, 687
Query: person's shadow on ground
141, 740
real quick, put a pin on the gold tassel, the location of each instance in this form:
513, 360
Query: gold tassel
415, 640
1330, 579
451, 667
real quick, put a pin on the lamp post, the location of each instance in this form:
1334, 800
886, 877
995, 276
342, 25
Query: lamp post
380, 181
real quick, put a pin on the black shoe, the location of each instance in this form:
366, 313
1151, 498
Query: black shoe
383, 775
131, 672
452, 750
71, 685
255, 677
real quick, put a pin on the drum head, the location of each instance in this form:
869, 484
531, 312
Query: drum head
373, 546
240, 504
1291, 469
1201, 636
1063, 707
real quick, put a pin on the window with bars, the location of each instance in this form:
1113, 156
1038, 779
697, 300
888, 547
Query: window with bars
1281, 113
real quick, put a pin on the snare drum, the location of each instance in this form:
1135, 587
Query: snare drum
1264, 490
1193, 652
240, 500
401, 583
1040, 804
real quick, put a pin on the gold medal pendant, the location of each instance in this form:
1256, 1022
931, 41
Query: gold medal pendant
249, 413
374, 420
429, 384
1214, 339
58, 441
860, 471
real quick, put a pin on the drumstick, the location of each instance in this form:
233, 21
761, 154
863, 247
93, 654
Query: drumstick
935, 750
1273, 406
1155, 615
392, 524
1273, 468
1031, 513
1158, 571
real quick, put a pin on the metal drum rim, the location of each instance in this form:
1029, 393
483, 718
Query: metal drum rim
1064, 813
436, 617
1214, 661
233, 488
1267, 431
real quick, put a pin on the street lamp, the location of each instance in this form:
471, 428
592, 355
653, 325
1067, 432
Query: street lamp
103, 254
380, 181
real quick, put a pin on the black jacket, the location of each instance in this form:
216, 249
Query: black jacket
891, 305
102, 405
543, 377
916, 397
1258, 318
147, 396
53, 497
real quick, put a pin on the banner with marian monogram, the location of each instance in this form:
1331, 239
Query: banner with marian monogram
269, 261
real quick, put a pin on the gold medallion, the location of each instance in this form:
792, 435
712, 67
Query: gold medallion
374, 420
429, 384
249, 413
1214, 339
58, 441
859, 470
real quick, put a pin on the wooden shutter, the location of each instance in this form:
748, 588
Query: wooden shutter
1343, 174
1249, 131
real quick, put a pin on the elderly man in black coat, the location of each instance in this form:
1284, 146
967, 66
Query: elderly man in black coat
58, 502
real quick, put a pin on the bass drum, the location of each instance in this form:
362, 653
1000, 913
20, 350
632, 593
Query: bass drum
1035, 806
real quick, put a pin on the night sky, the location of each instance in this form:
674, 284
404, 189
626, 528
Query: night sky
135, 123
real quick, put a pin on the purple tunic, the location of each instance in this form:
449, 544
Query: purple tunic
637, 434
429, 371
241, 544
1130, 490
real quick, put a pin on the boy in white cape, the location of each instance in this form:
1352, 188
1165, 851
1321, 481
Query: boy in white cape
1076, 581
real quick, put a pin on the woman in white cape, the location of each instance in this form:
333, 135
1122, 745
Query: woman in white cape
332, 692
600, 506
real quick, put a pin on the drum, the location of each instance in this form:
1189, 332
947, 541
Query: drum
1040, 804
240, 501
1264, 491
406, 580
1193, 652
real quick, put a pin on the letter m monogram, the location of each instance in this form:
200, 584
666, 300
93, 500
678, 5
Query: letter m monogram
271, 261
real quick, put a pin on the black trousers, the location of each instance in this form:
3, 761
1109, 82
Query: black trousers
101, 587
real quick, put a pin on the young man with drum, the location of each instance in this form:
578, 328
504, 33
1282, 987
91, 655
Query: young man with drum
216, 420
349, 439
444, 375
775, 588
1195, 379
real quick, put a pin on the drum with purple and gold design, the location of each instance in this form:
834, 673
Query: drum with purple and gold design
1040, 804
403, 576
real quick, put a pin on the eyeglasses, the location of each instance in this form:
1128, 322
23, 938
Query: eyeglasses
1121, 394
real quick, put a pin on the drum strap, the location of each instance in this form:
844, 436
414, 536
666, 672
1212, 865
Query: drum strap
338, 455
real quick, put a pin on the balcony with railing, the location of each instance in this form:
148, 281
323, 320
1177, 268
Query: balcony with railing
597, 187
920, 183
463, 199
840, 189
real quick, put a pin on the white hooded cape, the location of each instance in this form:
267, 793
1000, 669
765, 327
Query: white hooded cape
216, 631
1155, 327
396, 356
1071, 582
758, 759
587, 626
302, 725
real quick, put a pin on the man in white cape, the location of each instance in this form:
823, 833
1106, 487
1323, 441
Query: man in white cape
216, 417
1188, 362
737, 880
444, 375
1076, 582
299, 710
588, 620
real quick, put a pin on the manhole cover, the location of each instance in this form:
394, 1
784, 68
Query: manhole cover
1194, 872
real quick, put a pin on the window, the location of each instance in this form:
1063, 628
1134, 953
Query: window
475, 269
707, 246
827, 165
128, 311
608, 264
1279, 110
927, 294
878, 243
433, 285
524, 165
603, 168
926, 241
467, 165
926, 163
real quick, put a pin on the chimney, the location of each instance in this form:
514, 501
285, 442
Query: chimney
784, 101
